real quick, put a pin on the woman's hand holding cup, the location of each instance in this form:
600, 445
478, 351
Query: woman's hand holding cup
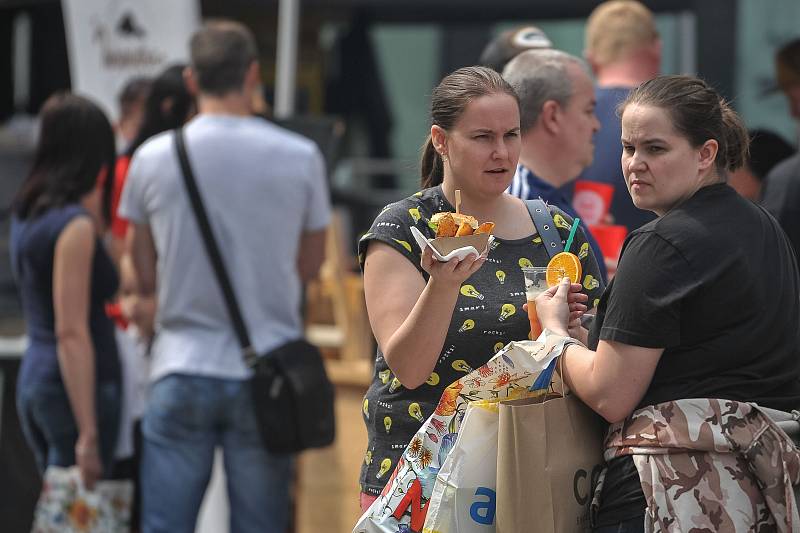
560, 306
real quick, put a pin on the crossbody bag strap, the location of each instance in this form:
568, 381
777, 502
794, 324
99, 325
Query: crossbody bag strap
545, 226
212, 250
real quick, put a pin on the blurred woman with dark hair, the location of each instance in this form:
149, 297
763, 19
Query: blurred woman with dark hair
169, 105
68, 395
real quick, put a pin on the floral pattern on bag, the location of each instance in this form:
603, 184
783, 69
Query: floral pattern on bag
65, 506
402, 506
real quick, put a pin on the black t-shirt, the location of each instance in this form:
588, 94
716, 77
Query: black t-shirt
714, 282
488, 314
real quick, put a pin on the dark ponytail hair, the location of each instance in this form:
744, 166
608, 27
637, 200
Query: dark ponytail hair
699, 113
75, 143
737, 139
448, 101
166, 107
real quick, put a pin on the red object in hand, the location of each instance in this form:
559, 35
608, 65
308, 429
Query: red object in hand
114, 312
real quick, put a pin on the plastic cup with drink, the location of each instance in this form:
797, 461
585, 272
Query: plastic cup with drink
539, 278
535, 284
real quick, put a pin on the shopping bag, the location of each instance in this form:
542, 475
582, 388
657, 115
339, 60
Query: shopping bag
403, 504
550, 453
65, 506
464, 496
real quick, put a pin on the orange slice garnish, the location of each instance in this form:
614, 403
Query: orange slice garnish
561, 265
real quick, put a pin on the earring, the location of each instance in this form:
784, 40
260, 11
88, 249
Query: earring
444, 158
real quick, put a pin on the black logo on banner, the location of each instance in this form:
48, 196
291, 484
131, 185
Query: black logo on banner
129, 27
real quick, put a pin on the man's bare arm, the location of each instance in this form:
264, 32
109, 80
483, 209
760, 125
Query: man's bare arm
142, 249
311, 254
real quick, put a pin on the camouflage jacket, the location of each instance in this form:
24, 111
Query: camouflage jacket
710, 465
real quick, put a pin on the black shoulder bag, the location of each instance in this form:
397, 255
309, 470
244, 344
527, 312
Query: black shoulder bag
292, 396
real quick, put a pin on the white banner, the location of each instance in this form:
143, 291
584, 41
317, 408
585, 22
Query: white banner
111, 41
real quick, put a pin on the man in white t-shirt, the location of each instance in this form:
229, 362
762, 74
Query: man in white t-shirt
265, 192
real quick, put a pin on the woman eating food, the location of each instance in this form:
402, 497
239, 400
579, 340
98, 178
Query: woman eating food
435, 321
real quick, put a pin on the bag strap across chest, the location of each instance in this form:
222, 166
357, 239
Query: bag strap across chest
214, 255
545, 226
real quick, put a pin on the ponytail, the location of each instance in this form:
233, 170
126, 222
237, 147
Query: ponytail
737, 140
432, 167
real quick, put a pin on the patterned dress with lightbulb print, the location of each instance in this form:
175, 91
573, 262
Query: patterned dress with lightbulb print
488, 314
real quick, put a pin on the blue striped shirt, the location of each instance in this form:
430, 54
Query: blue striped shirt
529, 186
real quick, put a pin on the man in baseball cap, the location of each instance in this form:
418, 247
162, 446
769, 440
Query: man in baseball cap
509, 43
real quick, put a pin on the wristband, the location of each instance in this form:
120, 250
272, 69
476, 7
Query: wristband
554, 341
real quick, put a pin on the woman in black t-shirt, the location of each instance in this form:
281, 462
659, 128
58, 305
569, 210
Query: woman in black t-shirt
705, 302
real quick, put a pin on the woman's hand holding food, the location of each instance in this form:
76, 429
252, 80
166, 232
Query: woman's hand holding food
453, 225
453, 273
560, 306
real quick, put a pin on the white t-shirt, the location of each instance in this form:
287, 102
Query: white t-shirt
134, 361
262, 187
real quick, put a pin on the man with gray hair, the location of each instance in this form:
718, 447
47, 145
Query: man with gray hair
265, 193
557, 123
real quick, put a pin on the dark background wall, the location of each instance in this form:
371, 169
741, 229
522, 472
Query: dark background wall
465, 23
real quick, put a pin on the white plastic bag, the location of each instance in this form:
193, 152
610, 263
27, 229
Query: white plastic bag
464, 496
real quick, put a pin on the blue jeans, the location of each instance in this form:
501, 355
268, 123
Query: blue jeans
45, 415
633, 525
186, 418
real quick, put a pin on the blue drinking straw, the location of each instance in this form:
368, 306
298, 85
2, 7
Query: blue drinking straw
572, 231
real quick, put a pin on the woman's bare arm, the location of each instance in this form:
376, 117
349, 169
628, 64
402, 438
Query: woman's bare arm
410, 317
612, 380
72, 267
